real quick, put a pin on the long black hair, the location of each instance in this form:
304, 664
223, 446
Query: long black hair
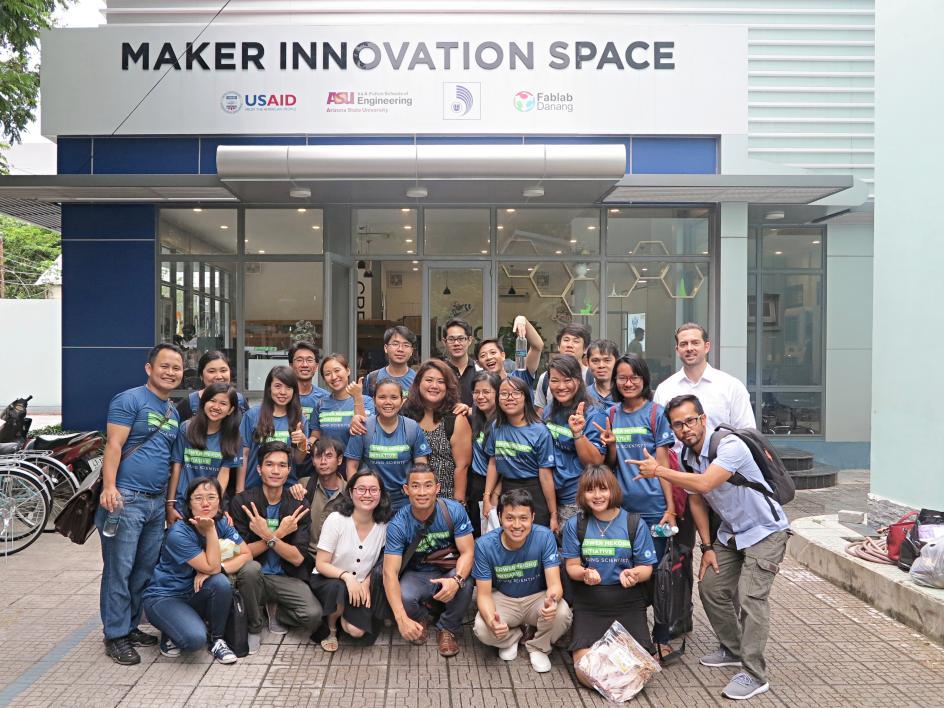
530, 415
479, 421
568, 366
382, 512
265, 426
640, 368
196, 484
229, 426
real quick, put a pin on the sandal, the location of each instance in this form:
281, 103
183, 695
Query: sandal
672, 656
330, 643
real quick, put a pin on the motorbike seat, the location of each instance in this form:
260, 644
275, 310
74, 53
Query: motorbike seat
49, 442
9, 448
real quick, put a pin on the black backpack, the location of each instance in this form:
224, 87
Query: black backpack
782, 489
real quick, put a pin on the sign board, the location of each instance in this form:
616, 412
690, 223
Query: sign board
235, 79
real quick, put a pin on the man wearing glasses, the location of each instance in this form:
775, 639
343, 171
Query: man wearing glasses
745, 557
457, 336
399, 344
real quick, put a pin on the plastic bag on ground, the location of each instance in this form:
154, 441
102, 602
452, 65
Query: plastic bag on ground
617, 666
928, 568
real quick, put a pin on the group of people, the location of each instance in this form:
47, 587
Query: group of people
333, 509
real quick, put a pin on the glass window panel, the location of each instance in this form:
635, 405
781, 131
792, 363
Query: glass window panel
792, 248
658, 232
550, 294
656, 298
197, 231
454, 292
792, 318
384, 232
548, 232
752, 249
284, 303
792, 413
751, 330
457, 232
179, 274
165, 272
392, 295
298, 230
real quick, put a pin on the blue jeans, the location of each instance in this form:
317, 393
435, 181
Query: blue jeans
415, 590
129, 559
185, 620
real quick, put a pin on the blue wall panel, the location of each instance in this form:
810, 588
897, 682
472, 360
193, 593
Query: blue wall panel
74, 156
208, 147
108, 293
675, 156
91, 377
154, 156
111, 221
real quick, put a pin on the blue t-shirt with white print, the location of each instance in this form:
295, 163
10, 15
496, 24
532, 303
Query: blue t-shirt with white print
567, 465
281, 433
633, 435
519, 572
141, 410
195, 462
520, 451
404, 525
606, 546
332, 417
173, 576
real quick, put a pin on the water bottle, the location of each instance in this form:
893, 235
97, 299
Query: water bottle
111, 520
663, 530
521, 351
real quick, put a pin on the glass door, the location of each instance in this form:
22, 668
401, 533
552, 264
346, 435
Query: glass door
339, 294
455, 290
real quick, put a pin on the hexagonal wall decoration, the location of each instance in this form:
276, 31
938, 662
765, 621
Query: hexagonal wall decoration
550, 279
681, 291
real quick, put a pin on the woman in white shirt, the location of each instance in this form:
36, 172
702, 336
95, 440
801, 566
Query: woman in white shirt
350, 544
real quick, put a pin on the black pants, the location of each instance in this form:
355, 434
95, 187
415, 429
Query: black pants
474, 493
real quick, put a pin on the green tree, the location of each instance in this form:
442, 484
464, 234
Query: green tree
20, 24
27, 251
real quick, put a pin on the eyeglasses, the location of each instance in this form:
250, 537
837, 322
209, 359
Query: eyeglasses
687, 423
457, 340
367, 491
509, 395
199, 498
305, 360
399, 345
623, 380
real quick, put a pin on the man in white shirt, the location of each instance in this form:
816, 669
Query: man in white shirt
724, 398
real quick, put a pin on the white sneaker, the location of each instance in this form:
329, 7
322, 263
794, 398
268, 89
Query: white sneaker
509, 653
540, 661
222, 653
255, 641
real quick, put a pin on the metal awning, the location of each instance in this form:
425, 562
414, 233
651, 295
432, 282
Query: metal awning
755, 189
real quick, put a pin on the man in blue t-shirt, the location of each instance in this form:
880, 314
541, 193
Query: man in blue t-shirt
303, 358
426, 529
399, 345
752, 540
142, 428
517, 573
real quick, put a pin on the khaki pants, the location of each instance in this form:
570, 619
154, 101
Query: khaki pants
748, 574
517, 611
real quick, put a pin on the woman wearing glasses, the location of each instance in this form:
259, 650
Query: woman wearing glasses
521, 454
350, 544
635, 424
485, 406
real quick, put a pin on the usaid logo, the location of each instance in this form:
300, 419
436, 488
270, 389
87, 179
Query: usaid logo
462, 101
231, 102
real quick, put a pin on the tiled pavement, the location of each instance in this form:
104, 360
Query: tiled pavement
826, 648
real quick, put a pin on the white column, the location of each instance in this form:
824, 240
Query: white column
732, 299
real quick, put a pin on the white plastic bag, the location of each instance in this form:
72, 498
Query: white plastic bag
489, 522
617, 666
928, 568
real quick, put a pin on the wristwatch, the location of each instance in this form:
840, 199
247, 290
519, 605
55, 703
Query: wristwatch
706, 547
459, 580
271, 542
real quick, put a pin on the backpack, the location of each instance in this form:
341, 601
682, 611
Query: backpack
672, 589
767, 460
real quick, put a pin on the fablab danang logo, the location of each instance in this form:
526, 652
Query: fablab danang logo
524, 101
527, 101
462, 101
234, 102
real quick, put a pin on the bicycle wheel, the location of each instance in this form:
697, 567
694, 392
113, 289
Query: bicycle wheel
24, 509
63, 481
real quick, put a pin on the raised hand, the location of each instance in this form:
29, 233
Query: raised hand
577, 422
647, 466
257, 524
606, 434
499, 628
355, 389
298, 437
289, 524
203, 524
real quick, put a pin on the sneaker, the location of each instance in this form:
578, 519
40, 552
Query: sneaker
540, 661
722, 657
168, 648
255, 641
744, 686
448, 646
222, 653
121, 651
509, 654
141, 639
275, 627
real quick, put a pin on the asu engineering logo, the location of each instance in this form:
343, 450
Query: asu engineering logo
341, 98
462, 101
524, 101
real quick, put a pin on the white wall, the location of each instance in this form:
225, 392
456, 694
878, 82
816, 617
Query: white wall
31, 355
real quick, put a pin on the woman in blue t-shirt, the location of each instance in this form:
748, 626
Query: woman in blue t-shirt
607, 564
636, 424
332, 414
208, 445
521, 454
213, 367
569, 416
391, 443
484, 406
278, 417
189, 596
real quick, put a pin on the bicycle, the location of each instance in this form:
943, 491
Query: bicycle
25, 505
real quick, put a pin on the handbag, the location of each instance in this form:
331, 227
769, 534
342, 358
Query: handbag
896, 534
912, 544
672, 590
236, 633
76, 521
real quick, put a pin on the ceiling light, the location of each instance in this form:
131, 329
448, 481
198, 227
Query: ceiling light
316, 227
774, 215
407, 227
573, 240
500, 227
408, 240
261, 251
417, 192
778, 253
643, 269
415, 262
299, 193
530, 269
558, 252
416, 269
509, 211
405, 210
591, 228
485, 252
512, 291
446, 290
704, 253
224, 226
368, 273
815, 243
532, 192
301, 210
410, 251
197, 209
614, 211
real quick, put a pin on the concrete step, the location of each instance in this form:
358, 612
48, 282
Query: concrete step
818, 477
795, 459
819, 543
